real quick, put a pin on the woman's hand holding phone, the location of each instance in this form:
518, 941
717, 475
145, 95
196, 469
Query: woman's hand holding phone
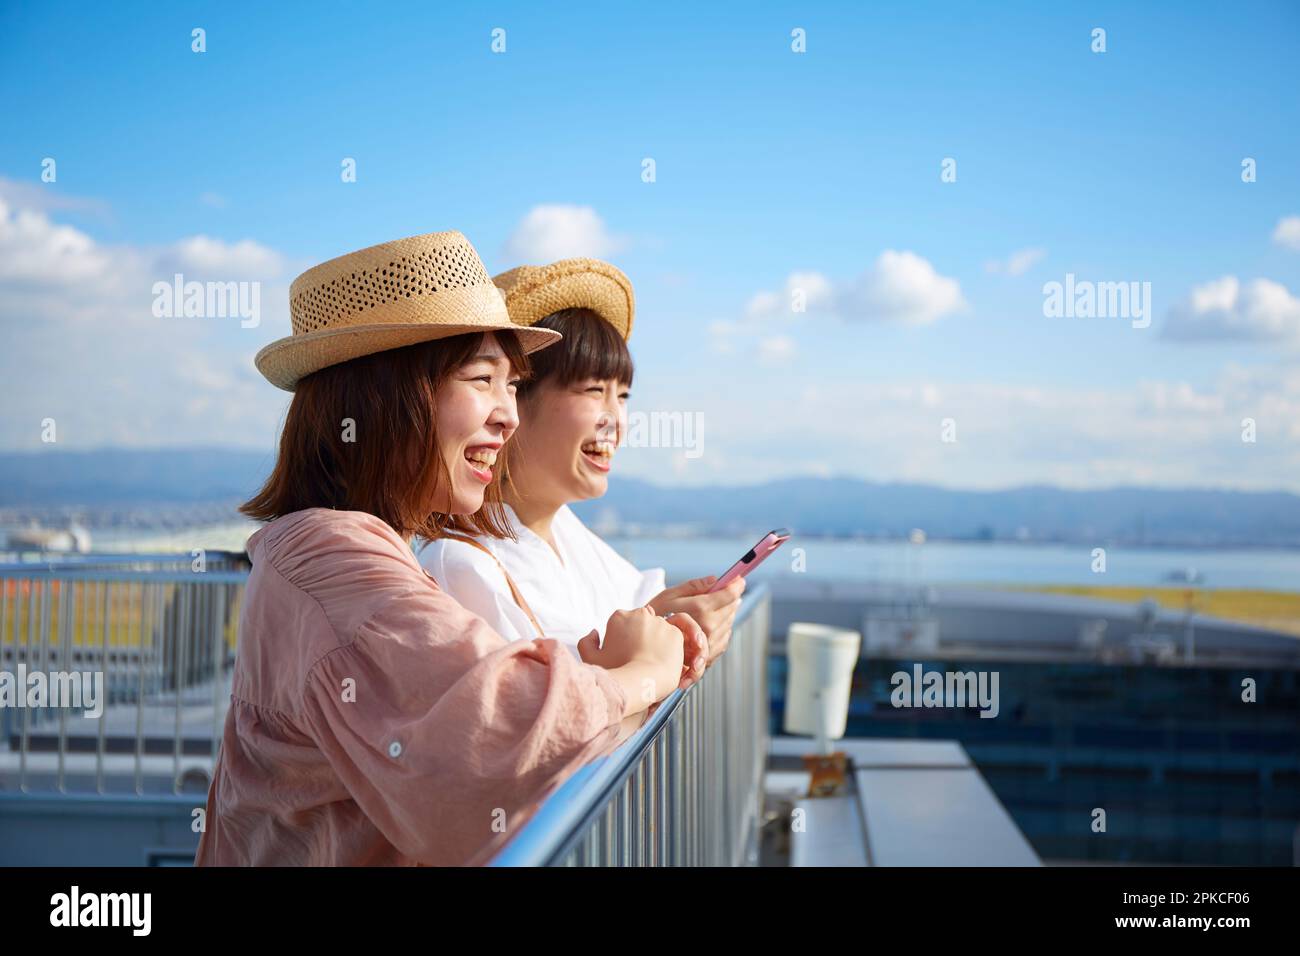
715, 611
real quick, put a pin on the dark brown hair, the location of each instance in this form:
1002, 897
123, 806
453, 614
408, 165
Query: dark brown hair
591, 348
392, 467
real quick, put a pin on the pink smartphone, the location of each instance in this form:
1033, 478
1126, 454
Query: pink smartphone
752, 558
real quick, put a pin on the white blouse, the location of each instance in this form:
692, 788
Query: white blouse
571, 593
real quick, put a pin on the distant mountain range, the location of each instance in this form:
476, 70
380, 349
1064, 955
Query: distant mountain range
123, 477
850, 506
114, 480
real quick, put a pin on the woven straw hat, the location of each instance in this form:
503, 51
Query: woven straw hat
387, 296
534, 292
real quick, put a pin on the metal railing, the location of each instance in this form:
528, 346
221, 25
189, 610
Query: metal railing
20, 561
685, 790
159, 638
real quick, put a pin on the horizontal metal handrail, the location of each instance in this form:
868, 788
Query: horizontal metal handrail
685, 788
215, 560
163, 577
563, 818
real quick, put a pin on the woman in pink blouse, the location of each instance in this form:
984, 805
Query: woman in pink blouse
372, 719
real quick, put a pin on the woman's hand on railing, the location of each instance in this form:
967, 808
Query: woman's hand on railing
715, 613
642, 651
695, 647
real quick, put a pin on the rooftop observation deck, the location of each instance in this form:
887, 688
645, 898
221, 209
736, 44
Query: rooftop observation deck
702, 783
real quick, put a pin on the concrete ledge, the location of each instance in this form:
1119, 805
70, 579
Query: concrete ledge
881, 753
909, 803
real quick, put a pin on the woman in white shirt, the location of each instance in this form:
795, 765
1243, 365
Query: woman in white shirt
556, 577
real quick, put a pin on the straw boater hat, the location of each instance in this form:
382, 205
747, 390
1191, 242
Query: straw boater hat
387, 296
534, 292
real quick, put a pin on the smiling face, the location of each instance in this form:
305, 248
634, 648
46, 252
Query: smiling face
477, 415
573, 414
567, 439
422, 423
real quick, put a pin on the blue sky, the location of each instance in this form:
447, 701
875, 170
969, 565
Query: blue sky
1115, 166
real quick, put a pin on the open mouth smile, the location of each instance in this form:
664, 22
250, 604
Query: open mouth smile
481, 460
600, 454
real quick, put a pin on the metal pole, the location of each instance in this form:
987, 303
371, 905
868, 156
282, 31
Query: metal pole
65, 640
106, 621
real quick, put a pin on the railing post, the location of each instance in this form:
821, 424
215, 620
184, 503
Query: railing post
65, 640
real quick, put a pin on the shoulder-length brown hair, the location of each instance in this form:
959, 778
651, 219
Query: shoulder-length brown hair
362, 436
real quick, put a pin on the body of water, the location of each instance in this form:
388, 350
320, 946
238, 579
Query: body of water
935, 562
946, 562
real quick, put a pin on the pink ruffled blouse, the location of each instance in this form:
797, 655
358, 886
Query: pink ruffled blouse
373, 720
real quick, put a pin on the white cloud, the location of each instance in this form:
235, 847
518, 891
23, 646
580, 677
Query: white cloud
1287, 233
803, 291
35, 250
82, 344
552, 232
732, 338
902, 287
1018, 263
1164, 432
215, 200
212, 257
898, 287
49, 197
1226, 309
